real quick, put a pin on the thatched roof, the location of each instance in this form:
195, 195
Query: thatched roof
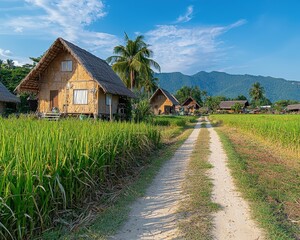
293, 107
167, 95
97, 68
229, 104
190, 101
7, 96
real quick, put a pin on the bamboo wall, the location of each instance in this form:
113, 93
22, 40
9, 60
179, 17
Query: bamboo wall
54, 79
159, 102
102, 107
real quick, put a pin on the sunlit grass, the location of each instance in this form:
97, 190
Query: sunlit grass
282, 130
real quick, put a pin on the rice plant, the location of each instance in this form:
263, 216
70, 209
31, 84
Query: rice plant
47, 167
283, 130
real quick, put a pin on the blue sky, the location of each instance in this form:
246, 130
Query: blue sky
260, 37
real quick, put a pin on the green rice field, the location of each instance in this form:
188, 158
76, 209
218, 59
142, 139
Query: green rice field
49, 167
283, 130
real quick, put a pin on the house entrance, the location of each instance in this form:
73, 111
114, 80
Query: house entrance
53, 99
167, 109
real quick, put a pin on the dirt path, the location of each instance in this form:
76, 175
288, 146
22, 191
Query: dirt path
154, 216
233, 221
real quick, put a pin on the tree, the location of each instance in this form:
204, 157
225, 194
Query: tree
9, 64
237, 107
133, 61
213, 103
240, 97
282, 104
257, 93
36, 59
149, 83
183, 93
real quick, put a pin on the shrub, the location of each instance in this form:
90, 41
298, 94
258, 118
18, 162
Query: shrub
142, 112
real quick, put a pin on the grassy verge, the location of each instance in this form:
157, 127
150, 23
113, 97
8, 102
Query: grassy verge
197, 208
115, 210
271, 186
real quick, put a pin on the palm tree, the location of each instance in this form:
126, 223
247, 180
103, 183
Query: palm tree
132, 60
257, 92
149, 83
10, 63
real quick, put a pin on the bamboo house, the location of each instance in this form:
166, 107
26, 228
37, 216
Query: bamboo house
70, 80
6, 97
190, 105
163, 102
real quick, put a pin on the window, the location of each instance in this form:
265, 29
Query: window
66, 66
108, 99
80, 96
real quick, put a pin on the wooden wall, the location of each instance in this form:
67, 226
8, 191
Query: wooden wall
102, 107
158, 103
54, 79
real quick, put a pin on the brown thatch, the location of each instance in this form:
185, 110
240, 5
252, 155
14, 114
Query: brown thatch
226, 105
7, 96
97, 68
293, 107
167, 95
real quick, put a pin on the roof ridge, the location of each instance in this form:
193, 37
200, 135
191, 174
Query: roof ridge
98, 69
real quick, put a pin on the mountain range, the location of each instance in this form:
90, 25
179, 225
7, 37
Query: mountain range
229, 85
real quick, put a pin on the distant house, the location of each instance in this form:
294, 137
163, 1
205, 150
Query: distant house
71, 80
6, 97
227, 105
190, 105
163, 102
293, 108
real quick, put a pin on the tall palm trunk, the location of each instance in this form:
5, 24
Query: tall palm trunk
132, 79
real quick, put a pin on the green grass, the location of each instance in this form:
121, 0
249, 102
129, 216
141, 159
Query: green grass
198, 207
271, 187
173, 120
172, 126
47, 168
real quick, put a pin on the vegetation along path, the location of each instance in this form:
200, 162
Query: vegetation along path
154, 216
233, 220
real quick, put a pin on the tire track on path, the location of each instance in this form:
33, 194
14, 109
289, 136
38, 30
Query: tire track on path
233, 221
154, 215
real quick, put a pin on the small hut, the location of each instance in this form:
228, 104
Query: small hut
70, 80
228, 105
163, 102
6, 97
190, 105
293, 108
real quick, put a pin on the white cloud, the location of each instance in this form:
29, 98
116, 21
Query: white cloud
18, 61
187, 16
5, 53
65, 18
237, 24
18, 29
188, 49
